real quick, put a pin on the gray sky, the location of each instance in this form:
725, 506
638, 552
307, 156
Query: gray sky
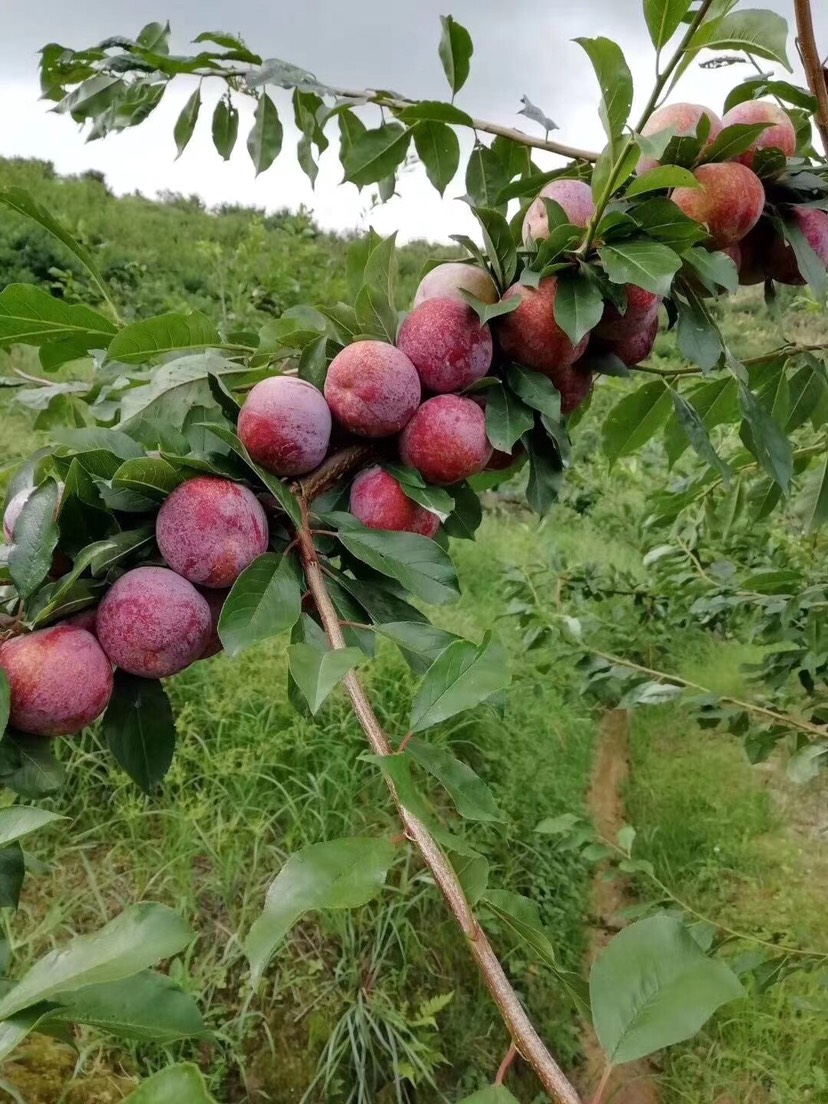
522, 46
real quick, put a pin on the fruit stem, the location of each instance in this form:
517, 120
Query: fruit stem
526, 1039
815, 72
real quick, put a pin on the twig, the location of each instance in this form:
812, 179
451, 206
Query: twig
506, 1065
602, 1085
814, 70
525, 1037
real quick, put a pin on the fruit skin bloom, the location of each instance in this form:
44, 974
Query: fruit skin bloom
379, 502
285, 425
209, 530
372, 388
729, 201
447, 344
153, 623
446, 440
59, 678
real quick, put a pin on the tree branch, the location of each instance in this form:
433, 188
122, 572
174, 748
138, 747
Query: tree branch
525, 1037
814, 70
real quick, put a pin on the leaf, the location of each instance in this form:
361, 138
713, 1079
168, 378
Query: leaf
17, 821
487, 311
768, 442
455, 52
19, 200
181, 1084
433, 111
664, 17
807, 261
733, 140
166, 333
439, 150
12, 873
152, 477
317, 673
715, 269
139, 728
139, 937
663, 176
460, 678
661, 219
185, 124
376, 315
420, 644
225, 127
578, 304
265, 139
536, 390
812, 504
615, 80
280, 491
374, 154
149, 1007
265, 601
647, 264
696, 431
416, 562
30, 316
545, 471
499, 243
536, 115
340, 874
28, 765
697, 335
471, 796
35, 539
467, 515
653, 986
758, 32
635, 419
495, 1094
507, 417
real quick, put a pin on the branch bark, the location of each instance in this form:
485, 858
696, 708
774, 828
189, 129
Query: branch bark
812, 63
524, 1036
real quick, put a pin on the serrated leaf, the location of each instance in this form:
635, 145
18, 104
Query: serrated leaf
664, 176
185, 124
28, 766
635, 419
420, 644
536, 390
697, 335
35, 539
664, 17
812, 504
373, 154
647, 264
578, 304
266, 600
173, 1085
758, 32
653, 986
461, 677
317, 673
696, 431
416, 562
139, 728
30, 316
340, 874
439, 150
471, 796
733, 140
615, 81
767, 442
495, 1094
264, 142
166, 333
507, 417
17, 821
455, 52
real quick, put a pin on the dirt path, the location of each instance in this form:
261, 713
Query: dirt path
632, 1083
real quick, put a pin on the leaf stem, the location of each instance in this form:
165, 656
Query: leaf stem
602, 1084
814, 69
523, 1033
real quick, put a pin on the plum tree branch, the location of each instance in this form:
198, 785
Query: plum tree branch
812, 63
524, 1036
672, 65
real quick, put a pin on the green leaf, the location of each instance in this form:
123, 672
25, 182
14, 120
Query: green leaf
225, 127
578, 304
20, 201
455, 52
758, 32
460, 678
715, 269
420, 644
536, 390
661, 219
12, 873
28, 765
17, 821
664, 176
664, 17
439, 150
615, 80
185, 124
265, 139
166, 333
265, 601
812, 504
696, 431
507, 417
280, 491
697, 335
139, 728
653, 986
499, 243
467, 515
148, 475
767, 441
647, 264
139, 937
733, 140
545, 471
471, 796
317, 673
433, 111
495, 1094
374, 154
376, 315
340, 874
487, 311
416, 562
30, 316
635, 419
149, 1007
35, 539
174, 1085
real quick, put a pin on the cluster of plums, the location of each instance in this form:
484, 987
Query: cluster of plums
412, 399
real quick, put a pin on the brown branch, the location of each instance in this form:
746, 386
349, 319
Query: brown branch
330, 471
814, 70
525, 1037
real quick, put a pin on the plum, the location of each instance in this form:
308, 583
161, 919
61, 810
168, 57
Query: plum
448, 280
729, 201
683, 119
575, 196
642, 307
372, 388
531, 336
379, 502
447, 344
446, 440
779, 135
285, 425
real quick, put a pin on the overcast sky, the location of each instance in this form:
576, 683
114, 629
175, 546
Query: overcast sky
521, 46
